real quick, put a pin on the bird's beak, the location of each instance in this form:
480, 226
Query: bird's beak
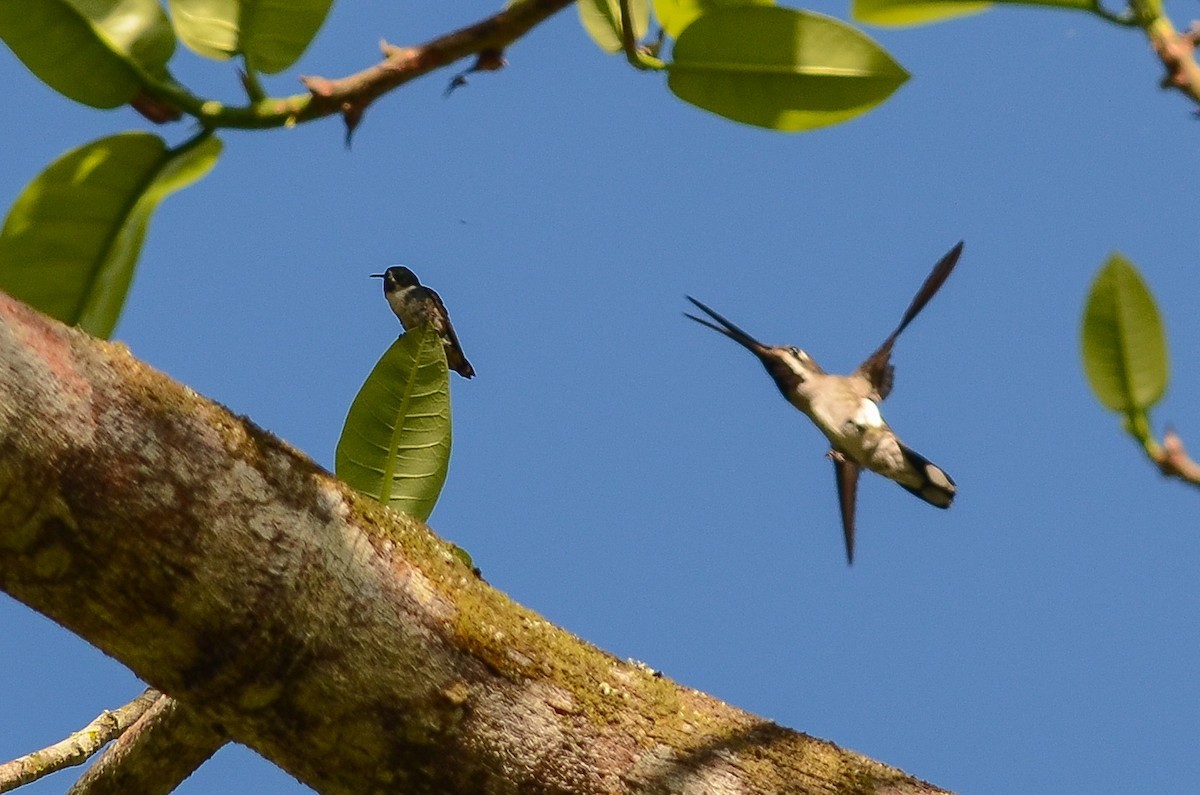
729, 330
376, 275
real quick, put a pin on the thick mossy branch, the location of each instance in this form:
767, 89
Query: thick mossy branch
344, 642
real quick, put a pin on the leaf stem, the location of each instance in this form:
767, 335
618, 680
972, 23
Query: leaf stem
633, 53
250, 81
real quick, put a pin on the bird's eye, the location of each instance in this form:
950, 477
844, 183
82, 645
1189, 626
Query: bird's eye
796, 362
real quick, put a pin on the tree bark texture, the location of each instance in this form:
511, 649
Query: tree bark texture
342, 641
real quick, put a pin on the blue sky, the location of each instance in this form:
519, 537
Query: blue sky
638, 479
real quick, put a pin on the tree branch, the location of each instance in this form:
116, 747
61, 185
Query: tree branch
76, 749
351, 95
1177, 51
162, 748
342, 641
1173, 460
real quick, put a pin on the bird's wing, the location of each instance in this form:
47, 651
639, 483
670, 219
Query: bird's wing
846, 473
449, 330
878, 367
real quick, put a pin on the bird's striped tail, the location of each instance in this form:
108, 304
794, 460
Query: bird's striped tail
935, 486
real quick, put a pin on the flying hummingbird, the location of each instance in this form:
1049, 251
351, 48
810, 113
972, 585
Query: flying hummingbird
846, 407
415, 304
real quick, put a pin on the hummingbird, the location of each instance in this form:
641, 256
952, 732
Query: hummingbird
846, 407
416, 304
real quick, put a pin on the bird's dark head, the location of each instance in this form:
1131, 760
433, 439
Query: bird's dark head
789, 366
397, 277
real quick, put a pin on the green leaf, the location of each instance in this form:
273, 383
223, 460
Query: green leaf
675, 15
1124, 347
395, 445
272, 34
602, 21
71, 240
91, 51
780, 68
902, 13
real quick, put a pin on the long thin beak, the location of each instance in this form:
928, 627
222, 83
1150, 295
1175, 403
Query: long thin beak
728, 329
376, 275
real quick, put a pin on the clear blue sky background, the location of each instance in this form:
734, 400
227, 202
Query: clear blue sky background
636, 478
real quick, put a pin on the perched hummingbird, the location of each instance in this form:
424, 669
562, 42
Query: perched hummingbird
416, 304
846, 407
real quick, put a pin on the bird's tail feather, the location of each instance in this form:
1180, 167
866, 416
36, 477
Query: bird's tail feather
936, 487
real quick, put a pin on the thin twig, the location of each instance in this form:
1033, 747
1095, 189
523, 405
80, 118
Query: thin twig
162, 748
76, 749
350, 95
1173, 461
1177, 51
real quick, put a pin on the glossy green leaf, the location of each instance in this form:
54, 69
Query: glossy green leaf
91, 51
675, 15
71, 240
902, 13
1124, 347
272, 34
780, 68
395, 445
602, 21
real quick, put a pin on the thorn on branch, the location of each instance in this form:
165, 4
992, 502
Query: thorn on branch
654, 47
1176, 51
489, 60
250, 84
390, 50
352, 110
318, 86
154, 108
1191, 36
459, 79
352, 113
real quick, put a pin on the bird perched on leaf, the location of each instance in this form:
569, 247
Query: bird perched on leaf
415, 304
846, 407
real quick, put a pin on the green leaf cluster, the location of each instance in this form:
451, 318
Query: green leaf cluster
754, 62
395, 445
71, 241
104, 53
270, 34
771, 66
602, 21
97, 52
780, 68
1123, 345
